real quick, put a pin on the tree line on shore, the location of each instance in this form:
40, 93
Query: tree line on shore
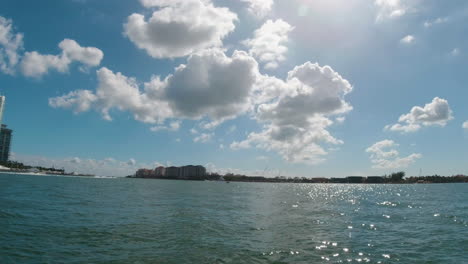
397, 177
20, 166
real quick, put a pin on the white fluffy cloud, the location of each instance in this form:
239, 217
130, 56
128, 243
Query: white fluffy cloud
385, 156
465, 125
408, 39
89, 56
179, 28
10, 45
294, 113
436, 113
388, 9
36, 65
296, 122
78, 101
259, 8
210, 85
269, 42
114, 91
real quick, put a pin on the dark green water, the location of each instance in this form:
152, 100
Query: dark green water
87, 220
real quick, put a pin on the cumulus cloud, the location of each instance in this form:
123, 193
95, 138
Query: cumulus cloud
465, 125
89, 56
295, 123
179, 28
259, 8
388, 9
407, 40
78, 101
115, 91
385, 156
295, 113
210, 85
10, 45
269, 43
436, 113
36, 65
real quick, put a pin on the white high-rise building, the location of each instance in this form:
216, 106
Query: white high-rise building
5, 135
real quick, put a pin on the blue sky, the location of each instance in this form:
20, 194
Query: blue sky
297, 88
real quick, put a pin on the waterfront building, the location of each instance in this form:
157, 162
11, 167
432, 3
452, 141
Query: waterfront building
192, 172
189, 172
5, 141
144, 173
172, 172
160, 171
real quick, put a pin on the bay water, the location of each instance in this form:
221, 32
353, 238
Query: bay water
50, 219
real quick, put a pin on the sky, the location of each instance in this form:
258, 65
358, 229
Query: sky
313, 88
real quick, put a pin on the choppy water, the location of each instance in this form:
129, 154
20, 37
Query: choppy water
85, 220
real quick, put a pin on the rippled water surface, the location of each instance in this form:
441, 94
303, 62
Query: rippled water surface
87, 220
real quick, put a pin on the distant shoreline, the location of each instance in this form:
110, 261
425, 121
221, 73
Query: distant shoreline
253, 179
250, 179
45, 174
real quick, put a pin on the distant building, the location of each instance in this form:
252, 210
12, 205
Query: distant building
172, 172
144, 173
5, 141
189, 172
192, 172
160, 171
355, 179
